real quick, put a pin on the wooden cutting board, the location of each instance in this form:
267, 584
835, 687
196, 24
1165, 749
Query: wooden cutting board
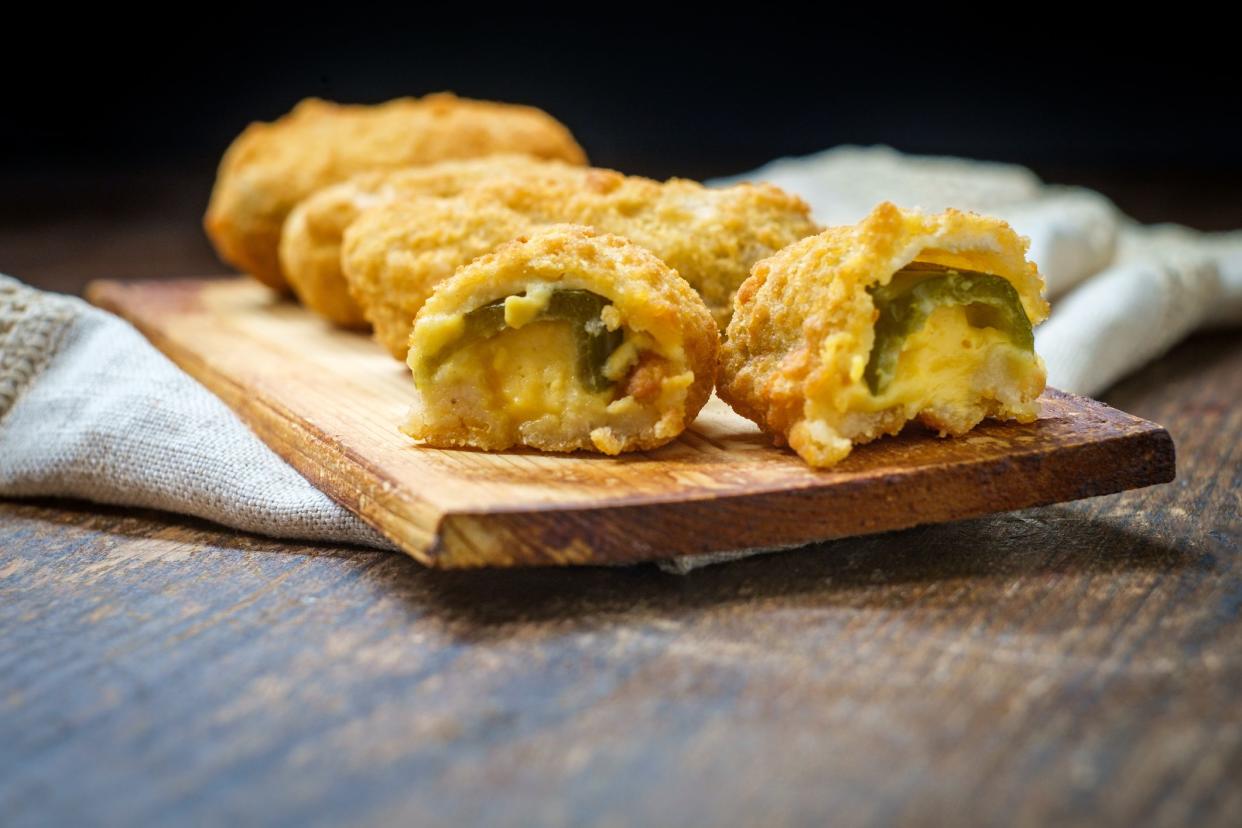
329, 402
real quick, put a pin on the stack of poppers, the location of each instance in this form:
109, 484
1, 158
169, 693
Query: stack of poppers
544, 303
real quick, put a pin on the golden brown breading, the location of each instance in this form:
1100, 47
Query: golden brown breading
709, 236
586, 341
798, 353
428, 236
310, 243
270, 167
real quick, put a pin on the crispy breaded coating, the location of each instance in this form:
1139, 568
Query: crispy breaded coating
799, 361
712, 236
709, 236
428, 236
310, 243
270, 167
562, 339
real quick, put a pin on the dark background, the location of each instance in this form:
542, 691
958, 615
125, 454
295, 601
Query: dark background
114, 127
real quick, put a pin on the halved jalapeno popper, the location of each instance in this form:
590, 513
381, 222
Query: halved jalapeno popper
310, 242
710, 236
850, 334
559, 340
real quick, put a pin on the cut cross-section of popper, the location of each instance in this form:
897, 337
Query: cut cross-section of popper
851, 334
561, 339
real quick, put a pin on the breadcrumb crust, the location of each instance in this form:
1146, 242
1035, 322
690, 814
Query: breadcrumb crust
395, 253
270, 167
310, 243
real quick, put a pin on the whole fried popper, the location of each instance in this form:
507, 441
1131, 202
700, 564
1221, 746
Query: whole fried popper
710, 236
562, 339
852, 333
310, 242
270, 167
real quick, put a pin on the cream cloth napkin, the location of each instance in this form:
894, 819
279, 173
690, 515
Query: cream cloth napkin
1122, 293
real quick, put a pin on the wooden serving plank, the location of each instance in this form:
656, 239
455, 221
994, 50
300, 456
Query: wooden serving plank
329, 402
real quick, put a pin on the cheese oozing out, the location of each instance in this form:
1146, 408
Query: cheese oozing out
545, 368
950, 362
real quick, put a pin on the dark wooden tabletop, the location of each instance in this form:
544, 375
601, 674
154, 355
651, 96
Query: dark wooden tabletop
1076, 664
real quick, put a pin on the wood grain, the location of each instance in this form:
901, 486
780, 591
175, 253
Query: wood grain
1077, 664
329, 402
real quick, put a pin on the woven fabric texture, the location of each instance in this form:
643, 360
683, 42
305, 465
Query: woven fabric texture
88, 409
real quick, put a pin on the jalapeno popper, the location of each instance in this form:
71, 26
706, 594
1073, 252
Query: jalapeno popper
711, 237
851, 334
310, 242
271, 167
559, 340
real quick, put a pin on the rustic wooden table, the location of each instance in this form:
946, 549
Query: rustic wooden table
1072, 664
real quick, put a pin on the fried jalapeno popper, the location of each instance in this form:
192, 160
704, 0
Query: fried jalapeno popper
270, 167
852, 333
310, 242
559, 340
711, 237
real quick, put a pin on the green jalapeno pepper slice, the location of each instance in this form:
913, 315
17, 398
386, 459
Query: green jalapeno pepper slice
915, 291
580, 308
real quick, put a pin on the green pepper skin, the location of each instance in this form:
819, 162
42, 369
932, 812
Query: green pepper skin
905, 303
581, 308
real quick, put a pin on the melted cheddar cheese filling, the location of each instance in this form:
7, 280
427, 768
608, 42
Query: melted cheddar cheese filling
948, 362
949, 374
526, 373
